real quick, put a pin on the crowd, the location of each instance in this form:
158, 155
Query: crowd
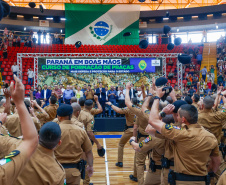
12, 39
181, 135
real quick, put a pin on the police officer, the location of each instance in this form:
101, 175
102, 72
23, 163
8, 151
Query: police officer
11, 165
49, 112
195, 98
142, 122
128, 132
43, 168
76, 111
75, 141
192, 144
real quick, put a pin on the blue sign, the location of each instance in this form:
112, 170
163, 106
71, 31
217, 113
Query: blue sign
143, 64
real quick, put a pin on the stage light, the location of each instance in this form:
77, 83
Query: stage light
61, 31
25, 28
216, 26
177, 30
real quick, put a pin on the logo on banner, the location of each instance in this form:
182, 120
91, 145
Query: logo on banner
155, 62
142, 65
101, 30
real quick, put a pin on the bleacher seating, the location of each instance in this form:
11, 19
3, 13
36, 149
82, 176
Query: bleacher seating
59, 48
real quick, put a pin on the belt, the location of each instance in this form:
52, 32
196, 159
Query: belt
70, 165
184, 177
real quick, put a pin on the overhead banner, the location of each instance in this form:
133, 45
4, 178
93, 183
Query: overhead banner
109, 71
137, 65
98, 24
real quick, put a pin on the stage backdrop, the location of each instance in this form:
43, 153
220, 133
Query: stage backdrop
109, 71
98, 24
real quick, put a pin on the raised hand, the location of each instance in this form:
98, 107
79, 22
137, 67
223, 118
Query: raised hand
17, 93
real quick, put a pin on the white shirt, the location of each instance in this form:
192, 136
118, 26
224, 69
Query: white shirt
106, 95
121, 96
62, 90
30, 74
100, 91
141, 95
15, 68
45, 91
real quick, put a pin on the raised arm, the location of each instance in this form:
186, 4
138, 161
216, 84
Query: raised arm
127, 98
154, 119
7, 104
40, 108
99, 107
30, 136
115, 108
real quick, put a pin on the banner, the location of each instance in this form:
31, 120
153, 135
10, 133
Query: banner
110, 71
98, 24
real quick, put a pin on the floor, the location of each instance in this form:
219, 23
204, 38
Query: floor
105, 171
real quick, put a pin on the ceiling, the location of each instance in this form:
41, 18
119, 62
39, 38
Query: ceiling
147, 5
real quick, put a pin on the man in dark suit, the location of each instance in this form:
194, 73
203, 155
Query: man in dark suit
101, 93
45, 94
132, 92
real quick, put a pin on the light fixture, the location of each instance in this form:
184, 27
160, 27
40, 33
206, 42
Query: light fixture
25, 28
165, 18
216, 26
49, 18
61, 31
63, 19
178, 30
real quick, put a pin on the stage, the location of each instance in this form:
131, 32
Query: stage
116, 124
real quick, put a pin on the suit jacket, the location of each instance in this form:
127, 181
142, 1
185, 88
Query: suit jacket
48, 94
103, 94
134, 93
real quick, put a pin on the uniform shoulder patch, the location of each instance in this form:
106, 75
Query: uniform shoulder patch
12, 154
141, 144
168, 127
147, 111
148, 139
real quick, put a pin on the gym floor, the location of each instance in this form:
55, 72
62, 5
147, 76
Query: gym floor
105, 171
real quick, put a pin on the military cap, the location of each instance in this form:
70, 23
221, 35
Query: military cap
89, 102
178, 104
49, 135
161, 81
101, 152
64, 110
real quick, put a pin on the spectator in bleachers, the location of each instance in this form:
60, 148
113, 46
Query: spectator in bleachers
29, 42
25, 41
6, 32
5, 52
204, 73
209, 84
212, 69
194, 83
220, 78
39, 37
201, 91
15, 68
191, 91
188, 83
14, 41
177, 92
30, 76
34, 40
10, 41
199, 58
170, 62
207, 91
44, 36
56, 35
18, 40
31, 33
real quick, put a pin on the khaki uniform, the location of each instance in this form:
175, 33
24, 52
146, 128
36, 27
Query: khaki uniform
13, 125
42, 168
2, 109
3, 130
212, 121
142, 122
192, 147
93, 111
196, 105
157, 147
168, 154
51, 110
87, 119
74, 120
10, 169
75, 141
222, 179
89, 95
128, 133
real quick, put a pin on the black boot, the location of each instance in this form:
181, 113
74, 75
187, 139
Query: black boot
132, 178
119, 164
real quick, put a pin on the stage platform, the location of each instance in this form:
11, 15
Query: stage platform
109, 124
